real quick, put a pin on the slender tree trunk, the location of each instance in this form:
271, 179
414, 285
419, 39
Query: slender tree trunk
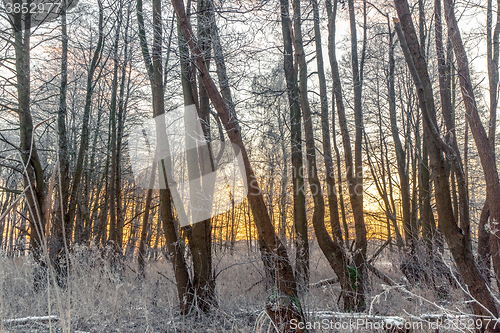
492, 44
327, 147
203, 278
332, 250
411, 233
448, 115
122, 107
113, 232
340, 192
299, 201
57, 242
357, 188
141, 260
199, 234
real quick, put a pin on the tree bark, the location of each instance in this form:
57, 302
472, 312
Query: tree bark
357, 178
492, 44
113, 230
199, 234
33, 171
448, 115
56, 246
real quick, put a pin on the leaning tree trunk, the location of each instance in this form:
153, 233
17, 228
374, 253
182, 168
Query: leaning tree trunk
285, 278
355, 189
154, 68
484, 147
456, 240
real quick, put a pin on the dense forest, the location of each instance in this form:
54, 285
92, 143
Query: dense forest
249, 166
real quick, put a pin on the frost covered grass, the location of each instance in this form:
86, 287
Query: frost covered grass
98, 299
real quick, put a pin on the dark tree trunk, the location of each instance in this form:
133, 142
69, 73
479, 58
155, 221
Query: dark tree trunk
299, 209
59, 238
33, 174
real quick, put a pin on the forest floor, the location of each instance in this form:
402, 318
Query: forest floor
98, 300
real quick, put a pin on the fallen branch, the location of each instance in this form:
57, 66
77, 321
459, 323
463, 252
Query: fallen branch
27, 320
393, 320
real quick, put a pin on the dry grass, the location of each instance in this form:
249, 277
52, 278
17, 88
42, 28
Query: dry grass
98, 300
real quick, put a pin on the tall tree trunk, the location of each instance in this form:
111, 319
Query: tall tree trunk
33, 172
113, 232
201, 249
355, 191
456, 240
448, 115
332, 250
285, 279
312, 170
57, 242
122, 107
299, 200
357, 178
199, 234
325, 128
154, 68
